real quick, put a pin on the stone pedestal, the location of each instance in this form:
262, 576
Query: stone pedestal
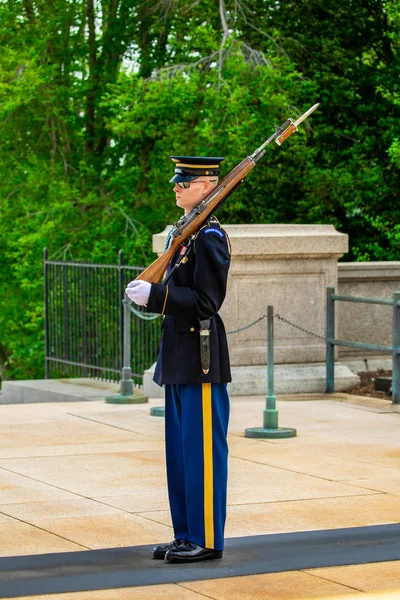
289, 267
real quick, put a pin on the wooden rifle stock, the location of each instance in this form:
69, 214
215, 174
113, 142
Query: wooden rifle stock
154, 273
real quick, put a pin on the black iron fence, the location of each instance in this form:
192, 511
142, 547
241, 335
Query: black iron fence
84, 321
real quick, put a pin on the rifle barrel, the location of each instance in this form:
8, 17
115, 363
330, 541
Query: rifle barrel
278, 131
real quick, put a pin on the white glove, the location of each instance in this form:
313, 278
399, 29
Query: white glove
139, 292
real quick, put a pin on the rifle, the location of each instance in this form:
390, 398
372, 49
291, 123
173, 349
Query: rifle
188, 225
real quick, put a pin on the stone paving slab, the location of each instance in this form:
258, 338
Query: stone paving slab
15, 488
6, 519
37, 512
134, 418
32, 413
301, 458
253, 482
94, 475
90, 475
19, 538
153, 592
108, 531
385, 481
110, 447
258, 587
377, 455
271, 586
142, 501
310, 515
303, 515
366, 578
69, 431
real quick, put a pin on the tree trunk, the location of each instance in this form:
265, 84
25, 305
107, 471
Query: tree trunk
93, 79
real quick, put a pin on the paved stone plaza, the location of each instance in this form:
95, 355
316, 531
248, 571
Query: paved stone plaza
83, 476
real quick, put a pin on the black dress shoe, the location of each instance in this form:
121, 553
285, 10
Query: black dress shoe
190, 552
160, 551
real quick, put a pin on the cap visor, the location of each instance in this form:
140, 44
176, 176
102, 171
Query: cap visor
178, 178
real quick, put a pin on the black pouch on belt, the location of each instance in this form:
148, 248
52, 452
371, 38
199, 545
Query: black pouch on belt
205, 344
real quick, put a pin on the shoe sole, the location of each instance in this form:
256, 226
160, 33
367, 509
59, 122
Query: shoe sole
172, 559
159, 555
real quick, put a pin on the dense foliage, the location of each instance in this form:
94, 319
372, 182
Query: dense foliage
96, 94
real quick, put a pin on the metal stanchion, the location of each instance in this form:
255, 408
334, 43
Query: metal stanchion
396, 349
127, 394
157, 411
270, 429
330, 335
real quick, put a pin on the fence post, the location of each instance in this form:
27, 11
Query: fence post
270, 412
396, 349
46, 314
121, 294
126, 388
65, 315
330, 335
270, 421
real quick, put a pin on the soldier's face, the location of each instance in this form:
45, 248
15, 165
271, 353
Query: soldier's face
188, 198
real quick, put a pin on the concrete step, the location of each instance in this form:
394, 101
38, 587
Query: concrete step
55, 390
289, 379
246, 381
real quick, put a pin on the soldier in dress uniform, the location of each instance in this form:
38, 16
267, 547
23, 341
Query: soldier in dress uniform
195, 377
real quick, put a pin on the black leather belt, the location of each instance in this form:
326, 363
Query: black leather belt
205, 344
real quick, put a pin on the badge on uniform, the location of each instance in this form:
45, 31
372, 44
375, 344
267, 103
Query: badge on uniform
183, 252
214, 230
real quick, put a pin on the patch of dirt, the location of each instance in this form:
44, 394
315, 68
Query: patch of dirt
366, 387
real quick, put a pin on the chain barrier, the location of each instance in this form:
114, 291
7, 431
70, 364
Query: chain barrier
278, 316
141, 315
321, 337
153, 316
246, 326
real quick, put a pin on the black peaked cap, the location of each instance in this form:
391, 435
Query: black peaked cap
190, 167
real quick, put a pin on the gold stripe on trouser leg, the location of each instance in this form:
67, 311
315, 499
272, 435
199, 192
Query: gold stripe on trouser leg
208, 466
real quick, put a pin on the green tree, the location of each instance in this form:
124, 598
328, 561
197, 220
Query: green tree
96, 94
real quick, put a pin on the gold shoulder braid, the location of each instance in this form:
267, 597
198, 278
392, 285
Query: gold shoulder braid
229, 241
215, 220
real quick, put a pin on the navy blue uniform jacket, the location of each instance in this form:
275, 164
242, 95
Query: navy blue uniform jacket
195, 291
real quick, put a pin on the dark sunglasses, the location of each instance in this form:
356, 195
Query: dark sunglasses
186, 184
